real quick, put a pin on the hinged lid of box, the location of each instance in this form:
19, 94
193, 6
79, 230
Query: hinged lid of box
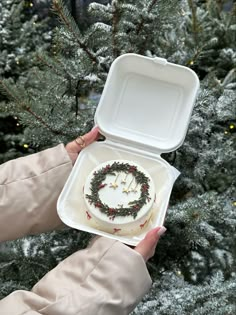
147, 103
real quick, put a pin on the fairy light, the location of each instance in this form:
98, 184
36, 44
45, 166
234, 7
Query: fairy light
234, 203
231, 126
226, 132
191, 62
25, 145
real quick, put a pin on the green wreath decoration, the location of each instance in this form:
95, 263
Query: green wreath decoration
135, 205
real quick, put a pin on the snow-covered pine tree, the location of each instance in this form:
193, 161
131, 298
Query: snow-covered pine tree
194, 266
22, 32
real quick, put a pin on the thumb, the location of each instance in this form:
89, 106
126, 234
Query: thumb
88, 138
91, 136
148, 245
73, 148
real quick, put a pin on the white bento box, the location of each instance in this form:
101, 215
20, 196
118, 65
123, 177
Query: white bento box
144, 110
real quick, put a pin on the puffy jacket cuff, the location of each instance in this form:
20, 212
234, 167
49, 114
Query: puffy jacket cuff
106, 278
29, 189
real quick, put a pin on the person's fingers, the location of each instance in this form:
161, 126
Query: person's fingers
83, 141
91, 136
74, 147
148, 245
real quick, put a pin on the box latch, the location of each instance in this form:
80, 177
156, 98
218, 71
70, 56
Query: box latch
160, 61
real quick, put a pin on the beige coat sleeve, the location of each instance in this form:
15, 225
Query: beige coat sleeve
107, 278
29, 189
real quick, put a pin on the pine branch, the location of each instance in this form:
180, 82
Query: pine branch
141, 23
195, 56
68, 75
10, 94
40, 119
66, 18
27, 108
194, 19
69, 78
229, 77
115, 21
50, 66
36, 74
140, 27
55, 70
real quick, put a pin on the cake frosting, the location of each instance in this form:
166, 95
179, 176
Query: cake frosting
119, 196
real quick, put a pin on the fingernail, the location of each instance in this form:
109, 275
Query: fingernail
161, 231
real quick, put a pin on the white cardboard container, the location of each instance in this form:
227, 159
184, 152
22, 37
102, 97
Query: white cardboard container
144, 110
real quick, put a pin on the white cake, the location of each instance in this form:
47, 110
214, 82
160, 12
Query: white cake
119, 195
